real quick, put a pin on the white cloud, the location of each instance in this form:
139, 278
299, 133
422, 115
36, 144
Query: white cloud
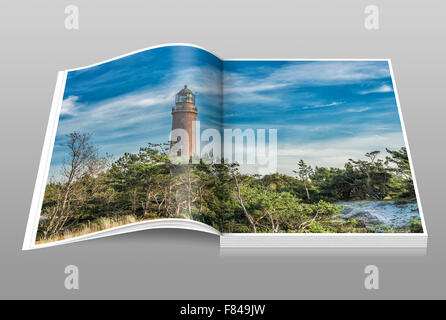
317, 106
130, 109
311, 73
128, 121
69, 106
325, 153
335, 152
354, 110
239, 88
381, 89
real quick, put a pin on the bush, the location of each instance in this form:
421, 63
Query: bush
416, 226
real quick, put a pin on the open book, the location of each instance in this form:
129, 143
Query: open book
263, 153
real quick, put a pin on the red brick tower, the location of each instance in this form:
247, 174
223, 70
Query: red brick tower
184, 114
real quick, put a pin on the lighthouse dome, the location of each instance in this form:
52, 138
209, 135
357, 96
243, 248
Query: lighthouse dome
185, 95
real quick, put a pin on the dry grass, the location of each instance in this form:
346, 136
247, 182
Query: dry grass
100, 224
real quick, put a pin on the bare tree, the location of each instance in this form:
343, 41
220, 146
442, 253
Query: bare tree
242, 204
82, 160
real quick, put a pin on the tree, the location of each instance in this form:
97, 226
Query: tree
146, 185
375, 177
82, 160
402, 183
280, 208
153, 166
125, 177
304, 172
238, 184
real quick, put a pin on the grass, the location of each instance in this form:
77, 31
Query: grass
99, 224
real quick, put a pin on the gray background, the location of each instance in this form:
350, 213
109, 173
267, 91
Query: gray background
180, 264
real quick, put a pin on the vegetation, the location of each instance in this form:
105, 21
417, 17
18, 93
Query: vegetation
95, 192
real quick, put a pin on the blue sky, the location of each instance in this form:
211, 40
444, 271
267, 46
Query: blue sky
325, 111
127, 103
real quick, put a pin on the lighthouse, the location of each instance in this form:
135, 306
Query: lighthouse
184, 115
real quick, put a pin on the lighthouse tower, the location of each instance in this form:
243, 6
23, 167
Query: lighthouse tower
184, 115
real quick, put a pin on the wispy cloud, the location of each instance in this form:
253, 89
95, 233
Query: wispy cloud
322, 110
124, 109
319, 73
336, 152
317, 106
266, 84
380, 89
69, 106
143, 105
354, 110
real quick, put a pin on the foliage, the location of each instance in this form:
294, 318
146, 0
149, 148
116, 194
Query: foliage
146, 185
416, 226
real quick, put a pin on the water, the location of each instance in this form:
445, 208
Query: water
381, 213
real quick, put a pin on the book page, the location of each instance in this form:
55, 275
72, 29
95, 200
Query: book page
124, 133
317, 146
174, 136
